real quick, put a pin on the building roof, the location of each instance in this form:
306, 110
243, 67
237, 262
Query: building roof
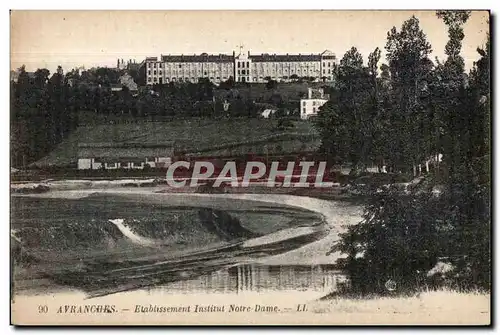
223, 58
327, 54
203, 58
285, 58
125, 150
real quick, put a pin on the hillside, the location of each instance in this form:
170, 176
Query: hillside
287, 92
194, 136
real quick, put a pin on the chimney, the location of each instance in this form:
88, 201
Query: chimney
234, 53
248, 53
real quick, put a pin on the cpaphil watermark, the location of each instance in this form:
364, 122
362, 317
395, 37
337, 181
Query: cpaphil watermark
302, 174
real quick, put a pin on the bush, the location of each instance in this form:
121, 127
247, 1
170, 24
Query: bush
284, 124
271, 84
392, 242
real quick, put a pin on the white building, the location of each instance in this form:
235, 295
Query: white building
315, 99
112, 156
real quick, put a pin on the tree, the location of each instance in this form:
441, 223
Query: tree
407, 54
454, 20
228, 84
271, 84
450, 88
464, 114
446, 218
385, 75
135, 74
346, 122
41, 78
394, 241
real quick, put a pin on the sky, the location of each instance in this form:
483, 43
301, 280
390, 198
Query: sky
46, 39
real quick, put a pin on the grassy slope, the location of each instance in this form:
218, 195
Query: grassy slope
289, 91
189, 134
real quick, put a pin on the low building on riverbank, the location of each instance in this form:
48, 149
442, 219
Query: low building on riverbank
112, 156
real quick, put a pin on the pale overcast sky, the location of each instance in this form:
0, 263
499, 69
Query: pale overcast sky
91, 38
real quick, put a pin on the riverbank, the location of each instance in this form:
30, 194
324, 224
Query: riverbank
303, 239
157, 185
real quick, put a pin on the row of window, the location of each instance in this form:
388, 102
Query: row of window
186, 79
304, 110
191, 73
304, 103
124, 160
175, 72
199, 65
246, 72
284, 64
281, 67
122, 164
240, 72
242, 64
239, 64
255, 79
184, 65
195, 79
291, 71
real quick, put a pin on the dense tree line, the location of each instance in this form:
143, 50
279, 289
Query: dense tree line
45, 108
42, 113
412, 113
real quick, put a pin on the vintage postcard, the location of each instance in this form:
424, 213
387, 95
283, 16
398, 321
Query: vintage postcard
250, 167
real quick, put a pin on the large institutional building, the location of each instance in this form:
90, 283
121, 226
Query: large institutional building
243, 67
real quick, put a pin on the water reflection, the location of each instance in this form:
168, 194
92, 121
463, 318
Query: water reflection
261, 278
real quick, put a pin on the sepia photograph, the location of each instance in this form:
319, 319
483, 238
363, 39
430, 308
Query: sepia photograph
250, 167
